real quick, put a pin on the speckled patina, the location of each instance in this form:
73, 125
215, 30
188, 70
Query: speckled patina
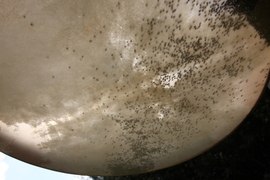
123, 87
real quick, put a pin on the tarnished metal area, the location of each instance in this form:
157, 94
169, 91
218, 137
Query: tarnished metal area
113, 87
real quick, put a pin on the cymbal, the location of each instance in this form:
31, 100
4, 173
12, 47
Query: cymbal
111, 88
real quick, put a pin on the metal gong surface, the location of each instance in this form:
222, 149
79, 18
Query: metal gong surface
114, 87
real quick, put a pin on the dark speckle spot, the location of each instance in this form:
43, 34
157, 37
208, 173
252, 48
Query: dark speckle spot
118, 5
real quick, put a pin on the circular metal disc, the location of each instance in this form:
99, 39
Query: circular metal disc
123, 87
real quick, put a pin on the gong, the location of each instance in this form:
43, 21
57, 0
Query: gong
99, 87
